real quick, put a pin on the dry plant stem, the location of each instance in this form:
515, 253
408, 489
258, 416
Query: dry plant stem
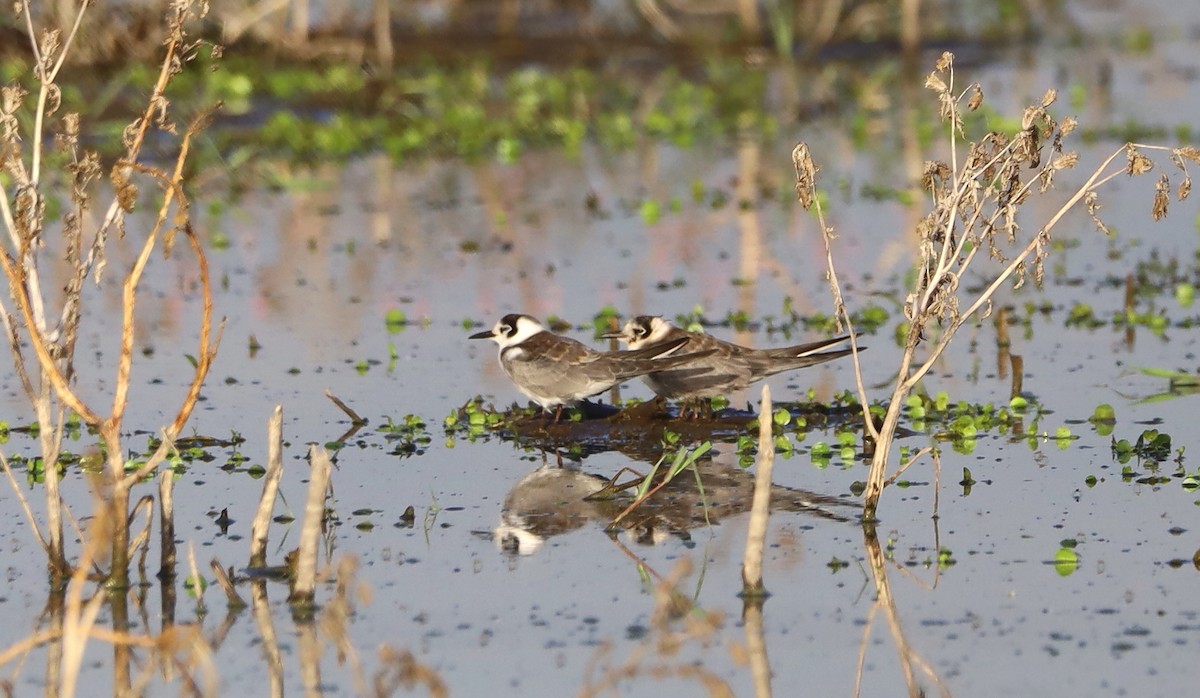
908, 464
261, 527
29, 301
110, 428
972, 206
760, 509
53, 348
27, 644
178, 14
129, 290
402, 670
806, 178
354, 417
232, 597
166, 522
912, 376
304, 587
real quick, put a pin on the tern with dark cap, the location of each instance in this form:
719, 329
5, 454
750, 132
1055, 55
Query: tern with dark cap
554, 370
729, 367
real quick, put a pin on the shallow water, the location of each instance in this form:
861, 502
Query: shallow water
311, 273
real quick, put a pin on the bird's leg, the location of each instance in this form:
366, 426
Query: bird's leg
557, 414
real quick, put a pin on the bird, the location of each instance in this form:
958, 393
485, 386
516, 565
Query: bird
730, 366
554, 370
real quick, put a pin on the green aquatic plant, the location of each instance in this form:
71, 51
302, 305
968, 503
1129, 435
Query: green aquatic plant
409, 436
1151, 446
1066, 561
680, 460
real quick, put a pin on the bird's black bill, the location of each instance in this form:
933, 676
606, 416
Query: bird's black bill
613, 335
482, 335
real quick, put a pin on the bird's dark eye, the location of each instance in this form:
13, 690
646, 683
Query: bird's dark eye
506, 329
640, 331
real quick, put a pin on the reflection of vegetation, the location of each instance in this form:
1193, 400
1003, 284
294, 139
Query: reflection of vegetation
676, 624
1179, 384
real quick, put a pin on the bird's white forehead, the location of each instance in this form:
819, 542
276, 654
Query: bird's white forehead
655, 330
526, 327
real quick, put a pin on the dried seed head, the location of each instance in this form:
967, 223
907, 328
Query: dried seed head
1189, 153
1065, 161
934, 170
53, 99
806, 175
126, 190
976, 97
1138, 163
130, 135
51, 40
1162, 197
